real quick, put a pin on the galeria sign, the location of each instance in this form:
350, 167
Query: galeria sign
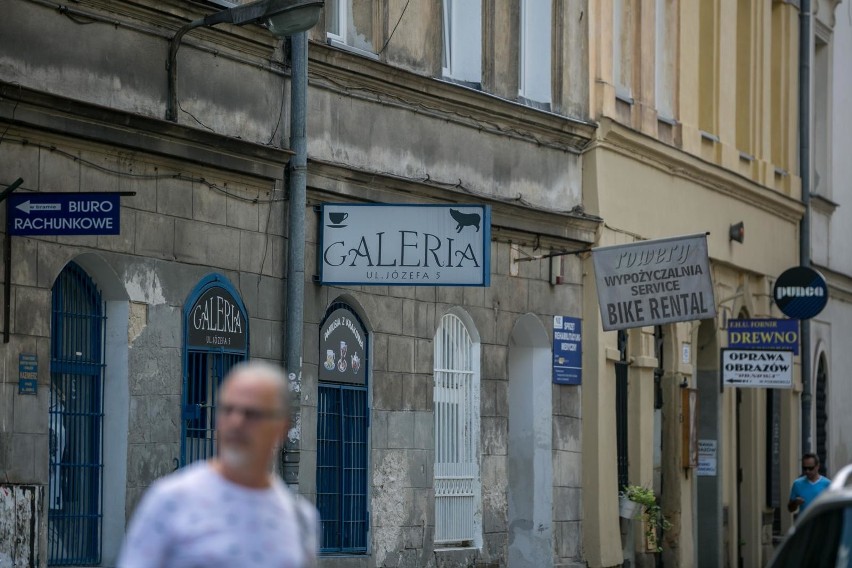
654, 282
405, 245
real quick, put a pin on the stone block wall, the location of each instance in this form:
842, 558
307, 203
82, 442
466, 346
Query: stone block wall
185, 221
402, 322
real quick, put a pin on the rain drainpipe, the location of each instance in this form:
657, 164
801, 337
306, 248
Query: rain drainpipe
296, 236
805, 43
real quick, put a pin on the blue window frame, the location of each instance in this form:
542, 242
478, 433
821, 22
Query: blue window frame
75, 420
215, 338
342, 430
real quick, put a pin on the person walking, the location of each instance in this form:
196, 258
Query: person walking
806, 488
230, 510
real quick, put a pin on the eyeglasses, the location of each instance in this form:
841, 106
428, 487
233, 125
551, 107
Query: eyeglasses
806, 468
249, 414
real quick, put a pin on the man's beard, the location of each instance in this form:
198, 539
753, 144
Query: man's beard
234, 458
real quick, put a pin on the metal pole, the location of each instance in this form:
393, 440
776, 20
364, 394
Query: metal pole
7, 261
805, 43
296, 230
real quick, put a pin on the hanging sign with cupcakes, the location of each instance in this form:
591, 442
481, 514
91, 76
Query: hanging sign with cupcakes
343, 349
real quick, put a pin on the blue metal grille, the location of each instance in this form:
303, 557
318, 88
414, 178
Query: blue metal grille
204, 373
342, 467
75, 420
204, 368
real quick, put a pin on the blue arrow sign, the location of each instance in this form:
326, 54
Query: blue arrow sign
64, 214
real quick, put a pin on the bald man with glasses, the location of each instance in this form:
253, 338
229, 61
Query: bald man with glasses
230, 510
806, 488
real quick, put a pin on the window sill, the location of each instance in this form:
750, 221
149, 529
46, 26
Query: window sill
623, 96
333, 42
533, 103
709, 137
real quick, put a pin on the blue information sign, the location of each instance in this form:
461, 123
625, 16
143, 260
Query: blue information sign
567, 350
764, 334
64, 214
27, 373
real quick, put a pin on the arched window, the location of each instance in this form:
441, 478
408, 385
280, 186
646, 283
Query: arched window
342, 430
75, 420
215, 338
456, 407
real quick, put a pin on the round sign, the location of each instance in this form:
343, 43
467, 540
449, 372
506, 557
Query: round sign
800, 292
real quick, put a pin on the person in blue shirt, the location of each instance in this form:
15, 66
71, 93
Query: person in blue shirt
807, 487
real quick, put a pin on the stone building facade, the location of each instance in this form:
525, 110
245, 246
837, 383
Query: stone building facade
395, 115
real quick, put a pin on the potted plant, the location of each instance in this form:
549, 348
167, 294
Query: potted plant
652, 514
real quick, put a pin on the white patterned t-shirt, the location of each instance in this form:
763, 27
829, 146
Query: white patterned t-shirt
196, 518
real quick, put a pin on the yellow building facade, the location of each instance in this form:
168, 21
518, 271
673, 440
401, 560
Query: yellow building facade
697, 106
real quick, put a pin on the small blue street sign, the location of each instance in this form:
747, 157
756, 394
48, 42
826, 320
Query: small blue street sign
64, 214
27, 373
567, 350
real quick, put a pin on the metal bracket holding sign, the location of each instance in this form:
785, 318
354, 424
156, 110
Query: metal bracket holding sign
7, 264
757, 368
654, 282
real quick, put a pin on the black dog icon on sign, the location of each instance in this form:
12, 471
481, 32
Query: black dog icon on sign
465, 220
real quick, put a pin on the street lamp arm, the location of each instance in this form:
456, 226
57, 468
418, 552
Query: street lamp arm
171, 65
283, 17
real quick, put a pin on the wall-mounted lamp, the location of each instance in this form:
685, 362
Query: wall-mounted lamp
282, 17
737, 232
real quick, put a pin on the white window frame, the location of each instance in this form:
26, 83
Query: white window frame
535, 51
342, 9
345, 36
463, 40
457, 475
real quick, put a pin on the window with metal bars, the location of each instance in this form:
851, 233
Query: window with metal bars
215, 339
75, 481
342, 435
456, 408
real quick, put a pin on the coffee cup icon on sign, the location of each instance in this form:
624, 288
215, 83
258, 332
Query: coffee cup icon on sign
337, 218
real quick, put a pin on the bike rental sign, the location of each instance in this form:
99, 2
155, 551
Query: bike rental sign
654, 282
